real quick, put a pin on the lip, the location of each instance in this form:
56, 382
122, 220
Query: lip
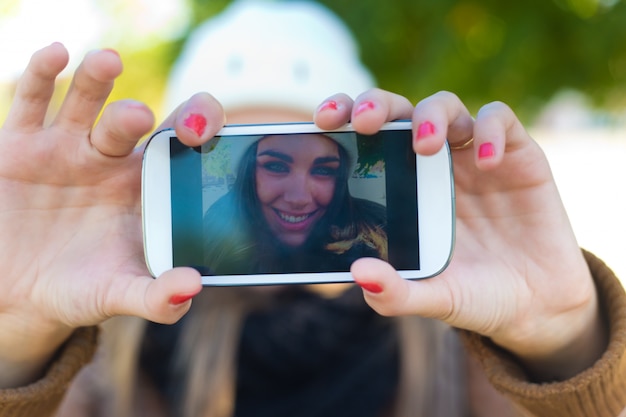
295, 221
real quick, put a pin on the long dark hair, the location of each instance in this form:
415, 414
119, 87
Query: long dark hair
239, 232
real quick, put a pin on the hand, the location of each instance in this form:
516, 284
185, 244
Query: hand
517, 274
71, 248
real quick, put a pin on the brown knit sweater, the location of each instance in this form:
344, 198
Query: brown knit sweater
600, 391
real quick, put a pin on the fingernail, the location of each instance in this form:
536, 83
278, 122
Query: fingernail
486, 150
366, 105
372, 287
425, 129
196, 122
179, 299
329, 105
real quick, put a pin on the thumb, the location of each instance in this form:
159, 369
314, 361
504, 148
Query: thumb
391, 295
164, 299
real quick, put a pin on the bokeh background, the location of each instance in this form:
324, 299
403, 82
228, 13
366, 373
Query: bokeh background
560, 64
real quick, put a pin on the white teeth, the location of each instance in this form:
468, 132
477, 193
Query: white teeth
293, 219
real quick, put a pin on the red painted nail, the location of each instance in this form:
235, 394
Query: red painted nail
329, 105
366, 105
486, 150
179, 299
425, 129
372, 287
196, 122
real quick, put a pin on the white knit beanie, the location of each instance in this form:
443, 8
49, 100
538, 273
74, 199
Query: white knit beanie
258, 53
347, 140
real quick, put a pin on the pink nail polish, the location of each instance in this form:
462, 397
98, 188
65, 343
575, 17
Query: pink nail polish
486, 150
329, 105
425, 129
366, 105
196, 122
179, 299
372, 287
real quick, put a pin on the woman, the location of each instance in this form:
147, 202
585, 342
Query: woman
541, 321
530, 319
290, 209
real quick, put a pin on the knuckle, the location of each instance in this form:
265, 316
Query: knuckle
495, 109
447, 95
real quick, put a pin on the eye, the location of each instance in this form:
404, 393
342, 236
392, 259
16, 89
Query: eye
277, 167
324, 171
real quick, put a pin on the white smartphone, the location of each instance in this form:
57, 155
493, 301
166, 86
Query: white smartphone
293, 204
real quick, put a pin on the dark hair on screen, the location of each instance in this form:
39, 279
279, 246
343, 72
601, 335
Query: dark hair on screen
240, 232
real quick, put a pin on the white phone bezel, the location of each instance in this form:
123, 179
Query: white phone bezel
435, 205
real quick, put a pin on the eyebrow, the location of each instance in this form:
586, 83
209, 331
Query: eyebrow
289, 159
278, 155
326, 159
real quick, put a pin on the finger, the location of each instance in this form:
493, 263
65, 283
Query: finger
334, 112
35, 88
497, 129
391, 295
438, 118
163, 300
197, 120
121, 126
92, 83
375, 107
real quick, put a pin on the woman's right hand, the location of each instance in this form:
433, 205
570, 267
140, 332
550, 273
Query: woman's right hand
71, 248
517, 275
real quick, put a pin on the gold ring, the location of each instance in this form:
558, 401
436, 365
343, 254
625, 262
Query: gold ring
463, 145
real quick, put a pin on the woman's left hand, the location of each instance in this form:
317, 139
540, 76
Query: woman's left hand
517, 274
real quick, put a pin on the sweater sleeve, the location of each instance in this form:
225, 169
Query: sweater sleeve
599, 391
43, 397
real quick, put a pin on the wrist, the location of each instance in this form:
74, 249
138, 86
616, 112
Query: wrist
565, 345
570, 358
26, 351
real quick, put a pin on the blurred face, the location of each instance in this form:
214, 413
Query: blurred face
295, 180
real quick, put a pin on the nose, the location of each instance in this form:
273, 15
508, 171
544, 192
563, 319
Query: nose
298, 190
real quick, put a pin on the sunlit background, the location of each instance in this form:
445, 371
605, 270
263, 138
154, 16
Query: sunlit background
561, 64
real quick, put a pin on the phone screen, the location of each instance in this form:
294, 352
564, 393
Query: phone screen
292, 203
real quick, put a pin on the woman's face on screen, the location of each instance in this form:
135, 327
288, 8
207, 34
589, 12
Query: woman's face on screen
296, 177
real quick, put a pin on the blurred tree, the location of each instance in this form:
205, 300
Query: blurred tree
483, 50
149, 37
148, 66
518, 52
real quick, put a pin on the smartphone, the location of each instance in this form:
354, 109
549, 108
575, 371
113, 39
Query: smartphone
293, 204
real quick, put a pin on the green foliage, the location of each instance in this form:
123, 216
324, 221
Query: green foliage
204, 9
370, 156
517, 52
217, 163
521, 53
